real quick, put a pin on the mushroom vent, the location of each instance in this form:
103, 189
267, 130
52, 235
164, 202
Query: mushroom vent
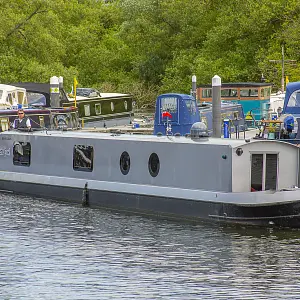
199, 131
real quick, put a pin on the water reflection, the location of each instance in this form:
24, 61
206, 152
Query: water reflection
51, 250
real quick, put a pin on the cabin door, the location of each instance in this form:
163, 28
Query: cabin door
264, 169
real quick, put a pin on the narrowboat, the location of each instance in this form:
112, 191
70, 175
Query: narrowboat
195, 177
102, 109
254, 97
286, 122
183, 111
14, 97
94, 108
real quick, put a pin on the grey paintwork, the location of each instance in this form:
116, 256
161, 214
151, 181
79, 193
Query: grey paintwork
184, 163
194, 182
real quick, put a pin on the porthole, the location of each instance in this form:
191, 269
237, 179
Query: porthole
125, 163
239, 151
153, 164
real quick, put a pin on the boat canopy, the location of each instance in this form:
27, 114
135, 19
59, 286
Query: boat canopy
12, 96
178, 112
292, 99
36, 90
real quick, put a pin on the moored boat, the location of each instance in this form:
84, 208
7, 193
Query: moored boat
103, 109
253, 96
12, 96
194, 178
41, 116
176, 113
94, 108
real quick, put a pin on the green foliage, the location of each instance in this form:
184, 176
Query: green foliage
147, 47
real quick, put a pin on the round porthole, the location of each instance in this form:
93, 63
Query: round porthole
125, 163
239, 151
153, 164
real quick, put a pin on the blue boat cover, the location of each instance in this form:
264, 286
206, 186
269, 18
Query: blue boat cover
292, 99
180, 111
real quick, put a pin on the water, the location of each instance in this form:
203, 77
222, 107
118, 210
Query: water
51, 250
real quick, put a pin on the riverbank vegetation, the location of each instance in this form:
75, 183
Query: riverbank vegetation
147, 47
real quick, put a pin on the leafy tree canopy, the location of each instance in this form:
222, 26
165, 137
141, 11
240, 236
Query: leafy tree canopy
148, 46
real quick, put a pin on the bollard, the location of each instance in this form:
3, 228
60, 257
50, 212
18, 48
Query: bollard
216, 106
194, 86
54, 92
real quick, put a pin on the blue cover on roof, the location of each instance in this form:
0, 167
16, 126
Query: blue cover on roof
292, 99
183, 112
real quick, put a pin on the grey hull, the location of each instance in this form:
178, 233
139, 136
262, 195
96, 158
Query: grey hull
282, 215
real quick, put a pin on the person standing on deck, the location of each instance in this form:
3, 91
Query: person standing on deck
22, 121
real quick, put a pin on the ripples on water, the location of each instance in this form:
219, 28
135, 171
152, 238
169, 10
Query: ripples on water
52, 250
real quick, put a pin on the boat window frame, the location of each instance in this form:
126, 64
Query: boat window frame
27, 161
97, 106
4, 124
83, 168
10, 98
124, 157
264, 167
153, 171
87, 110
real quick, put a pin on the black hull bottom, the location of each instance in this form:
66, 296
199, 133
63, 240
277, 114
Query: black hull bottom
276, 215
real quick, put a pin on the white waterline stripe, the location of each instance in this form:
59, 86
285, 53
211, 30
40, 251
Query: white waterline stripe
246, 199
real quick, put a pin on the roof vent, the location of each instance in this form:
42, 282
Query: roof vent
199, 132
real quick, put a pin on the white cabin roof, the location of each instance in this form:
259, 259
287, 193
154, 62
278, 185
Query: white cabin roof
233, 143
11, 88
102, 96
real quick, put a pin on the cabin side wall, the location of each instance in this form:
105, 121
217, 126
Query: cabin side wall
287, 164
182, 165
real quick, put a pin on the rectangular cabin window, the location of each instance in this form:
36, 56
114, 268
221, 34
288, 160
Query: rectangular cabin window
244, 92
98, 108
233, 93
264, 170
83, 157
228, 93
206, 93
21, 154
267, 92
4, 123
20, 97
169, 104
191, 106
253, 92
9, 98
87, 111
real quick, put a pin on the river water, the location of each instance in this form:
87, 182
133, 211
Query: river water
52, 250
